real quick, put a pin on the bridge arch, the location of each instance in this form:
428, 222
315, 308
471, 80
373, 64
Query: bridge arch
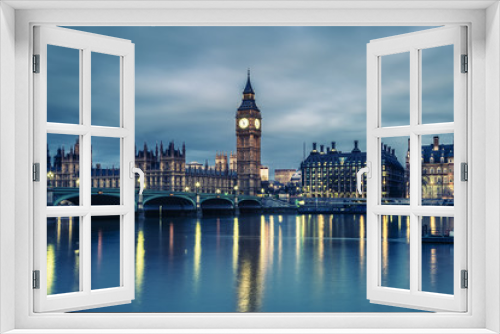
250, 203
68, 199
216, 203
177, 200
96, 199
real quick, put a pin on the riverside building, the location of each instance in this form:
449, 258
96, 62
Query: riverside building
331, 173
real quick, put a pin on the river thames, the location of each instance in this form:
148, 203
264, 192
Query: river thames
250, 263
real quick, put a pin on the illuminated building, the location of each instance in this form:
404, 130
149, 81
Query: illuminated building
164, 169
248, 133
283, 176
437, 170
264, 173
332, 173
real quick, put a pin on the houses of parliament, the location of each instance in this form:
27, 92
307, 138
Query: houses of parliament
165, 168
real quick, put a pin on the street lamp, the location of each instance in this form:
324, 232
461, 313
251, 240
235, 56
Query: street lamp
217, 191
187, 189
235, 189
50, 176
197, 185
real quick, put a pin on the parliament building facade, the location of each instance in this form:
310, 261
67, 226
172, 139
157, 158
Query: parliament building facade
165, 168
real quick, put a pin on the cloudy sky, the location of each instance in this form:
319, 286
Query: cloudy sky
310, 85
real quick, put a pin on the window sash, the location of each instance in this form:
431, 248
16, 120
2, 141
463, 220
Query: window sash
86, 43
413, 43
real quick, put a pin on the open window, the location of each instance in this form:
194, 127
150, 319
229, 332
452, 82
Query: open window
94, 122
434, 208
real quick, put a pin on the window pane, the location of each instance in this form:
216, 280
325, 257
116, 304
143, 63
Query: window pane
437, 170
105, 89
105, 171
105, 252
63, 255
437, 254
395, 89
63, 170
63, 85
437, 84
395, 252
395, 170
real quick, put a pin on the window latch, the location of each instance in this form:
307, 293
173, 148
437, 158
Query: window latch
133, 171
359, 176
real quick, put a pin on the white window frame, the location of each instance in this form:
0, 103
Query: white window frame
484, 121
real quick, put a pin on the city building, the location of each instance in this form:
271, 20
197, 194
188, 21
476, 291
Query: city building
164, 169
332, 173
264, 173
283, 176
248, 134
437, 170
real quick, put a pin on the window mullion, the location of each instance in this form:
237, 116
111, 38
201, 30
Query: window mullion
86, 168
415, 117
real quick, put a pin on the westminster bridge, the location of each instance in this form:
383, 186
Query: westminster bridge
156, 201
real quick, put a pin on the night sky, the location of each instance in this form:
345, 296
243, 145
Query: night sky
310, 85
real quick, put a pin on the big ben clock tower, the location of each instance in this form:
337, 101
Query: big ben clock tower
248, 132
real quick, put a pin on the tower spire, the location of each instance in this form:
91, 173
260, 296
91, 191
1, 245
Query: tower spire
248, 96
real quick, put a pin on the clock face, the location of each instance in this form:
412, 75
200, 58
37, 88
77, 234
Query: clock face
243, 123
257, 124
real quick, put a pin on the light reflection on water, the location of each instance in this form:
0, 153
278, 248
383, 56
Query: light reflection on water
258, 263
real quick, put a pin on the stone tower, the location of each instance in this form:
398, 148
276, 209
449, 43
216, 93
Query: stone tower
248, 133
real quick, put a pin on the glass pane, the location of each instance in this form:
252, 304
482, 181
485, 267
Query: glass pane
105, 171
395, 170
437, 254
395, 252
63, 255
63, 85
63, 170
437, 170
395, 89
105, 241
105, 90
437, 84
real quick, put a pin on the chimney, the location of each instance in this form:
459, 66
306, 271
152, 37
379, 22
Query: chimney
314, 146
393, 152
436, 143
322, 148
355, 144
333, 146
385, 148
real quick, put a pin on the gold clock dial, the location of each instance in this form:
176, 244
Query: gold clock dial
244, 123
257, 124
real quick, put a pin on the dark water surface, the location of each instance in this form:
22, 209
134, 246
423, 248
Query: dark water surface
252, 263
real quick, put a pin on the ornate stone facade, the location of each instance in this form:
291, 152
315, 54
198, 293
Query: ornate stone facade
248, 134
164, 169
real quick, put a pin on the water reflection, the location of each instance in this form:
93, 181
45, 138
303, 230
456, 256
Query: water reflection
140, 258
305, 263
197, 252
63, 262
